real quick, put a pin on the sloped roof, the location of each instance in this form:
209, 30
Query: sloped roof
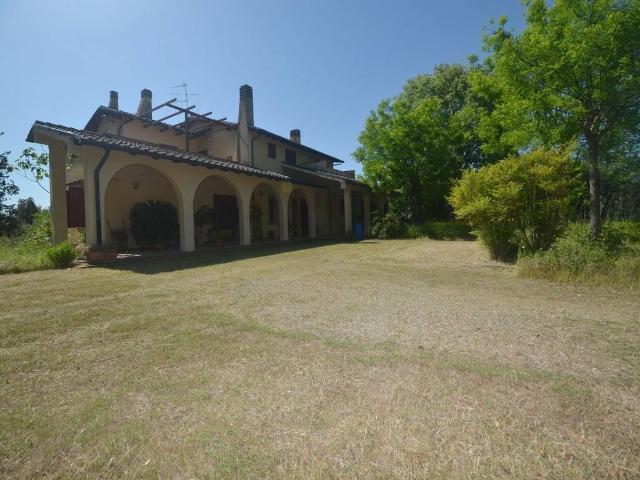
102, 111
325, 175
133, 146
299, 146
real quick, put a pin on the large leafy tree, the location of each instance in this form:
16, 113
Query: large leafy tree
414, 146
572, 74
7, 189
26, 210
405, 150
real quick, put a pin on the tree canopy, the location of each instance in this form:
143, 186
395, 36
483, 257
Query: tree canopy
572, 74
414, 146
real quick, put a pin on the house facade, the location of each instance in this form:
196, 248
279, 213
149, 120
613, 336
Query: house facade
260, 186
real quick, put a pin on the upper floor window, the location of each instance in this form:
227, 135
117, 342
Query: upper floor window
290, 156
271, 150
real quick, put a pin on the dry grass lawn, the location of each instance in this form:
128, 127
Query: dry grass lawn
405, 359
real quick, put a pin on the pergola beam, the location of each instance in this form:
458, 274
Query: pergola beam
174, 114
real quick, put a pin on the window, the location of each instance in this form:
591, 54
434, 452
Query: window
203, 152
271, 150
290, 156
273, 209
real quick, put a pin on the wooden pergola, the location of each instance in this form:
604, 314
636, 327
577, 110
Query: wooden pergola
181, 128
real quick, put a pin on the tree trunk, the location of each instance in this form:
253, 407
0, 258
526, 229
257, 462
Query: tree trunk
595, 220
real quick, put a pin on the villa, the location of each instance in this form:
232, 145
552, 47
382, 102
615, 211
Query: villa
119, 159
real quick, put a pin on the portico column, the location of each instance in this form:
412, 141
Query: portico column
284, 216
89, 167
285, 193
58, 191
348, 217
367, 213
187, 230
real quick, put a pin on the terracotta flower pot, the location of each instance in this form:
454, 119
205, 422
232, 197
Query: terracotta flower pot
101, 256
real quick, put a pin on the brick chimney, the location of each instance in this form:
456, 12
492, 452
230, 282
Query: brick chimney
144, 108
245, 122
113, 99
294, 135
245, 113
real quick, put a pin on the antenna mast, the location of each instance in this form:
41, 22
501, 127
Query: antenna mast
183, 86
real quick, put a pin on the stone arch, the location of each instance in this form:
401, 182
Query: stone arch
228, 216
266, 212
127, 186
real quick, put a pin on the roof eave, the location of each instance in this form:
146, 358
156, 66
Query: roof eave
313, 151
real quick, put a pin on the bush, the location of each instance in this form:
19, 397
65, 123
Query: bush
38, 234
441, 230
391, 225
518, 203
154, 223
576, 256
14, 258
62, 255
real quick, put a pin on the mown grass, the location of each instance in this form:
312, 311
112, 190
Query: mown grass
378, 359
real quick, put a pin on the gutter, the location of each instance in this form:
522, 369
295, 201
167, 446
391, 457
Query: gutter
253, 140
96, 183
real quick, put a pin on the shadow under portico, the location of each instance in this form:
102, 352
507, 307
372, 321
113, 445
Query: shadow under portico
151, 263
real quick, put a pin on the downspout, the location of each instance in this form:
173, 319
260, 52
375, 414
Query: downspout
252, 140
96, 180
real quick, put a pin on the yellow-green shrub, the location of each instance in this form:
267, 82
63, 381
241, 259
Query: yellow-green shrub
62, 255
519, 203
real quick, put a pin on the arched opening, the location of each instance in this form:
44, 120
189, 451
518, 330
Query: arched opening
216, 209
265, 213
130, 187
298, 215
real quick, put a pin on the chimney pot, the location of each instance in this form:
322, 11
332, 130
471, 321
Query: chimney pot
113, 99
294, 135
144, 108
245, 113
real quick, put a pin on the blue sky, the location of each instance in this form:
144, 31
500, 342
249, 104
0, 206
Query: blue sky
319, 66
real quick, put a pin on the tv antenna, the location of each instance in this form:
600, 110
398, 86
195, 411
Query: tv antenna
185, 91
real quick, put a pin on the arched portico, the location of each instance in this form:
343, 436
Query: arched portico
126, 187
300, 214
217, 207
267, 216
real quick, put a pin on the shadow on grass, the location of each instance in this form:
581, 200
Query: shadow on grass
153, 263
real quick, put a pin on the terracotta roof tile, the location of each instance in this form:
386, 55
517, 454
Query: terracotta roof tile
130, 145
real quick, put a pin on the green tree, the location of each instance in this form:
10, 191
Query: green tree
572, 74
8, 222
413, 146
26, 210
33, 166
405, 150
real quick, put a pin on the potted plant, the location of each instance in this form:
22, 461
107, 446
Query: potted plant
205, 221
219, 236
95, 255
154, 224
